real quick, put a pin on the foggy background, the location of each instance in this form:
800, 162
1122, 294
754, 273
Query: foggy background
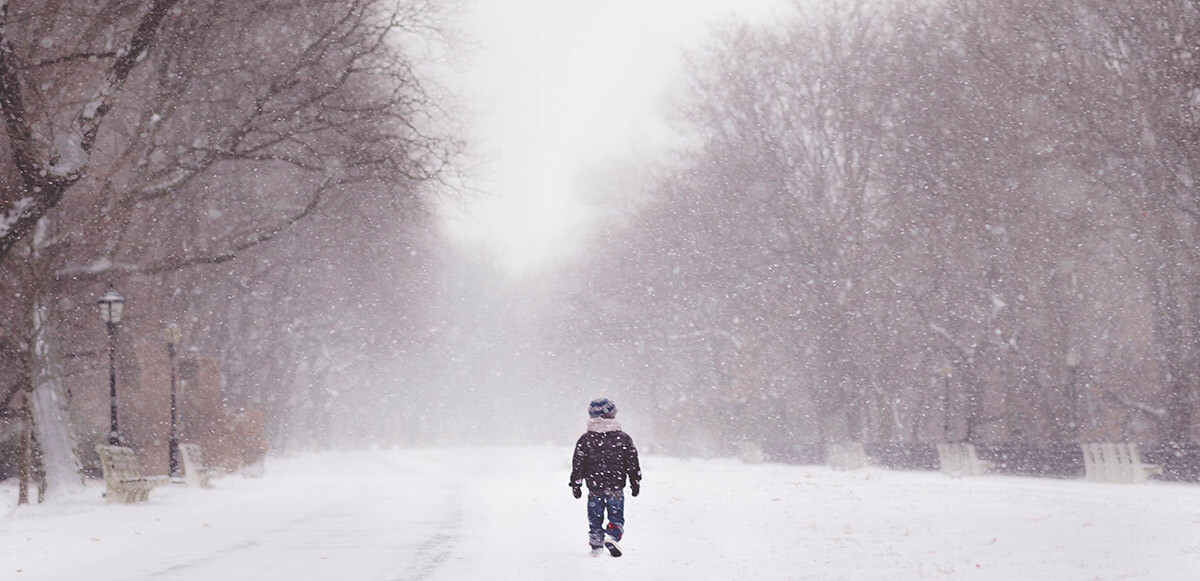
805, 223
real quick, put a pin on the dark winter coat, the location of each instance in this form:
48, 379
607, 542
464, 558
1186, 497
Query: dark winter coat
604, 456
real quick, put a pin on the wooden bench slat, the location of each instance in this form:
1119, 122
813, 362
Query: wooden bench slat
123, 475
195, 473
960, 459
846, 456
1116, 462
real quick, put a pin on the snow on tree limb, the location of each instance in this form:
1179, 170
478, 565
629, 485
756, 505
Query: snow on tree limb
1147, 409
14, 214
89, 119
46, 177
962, 348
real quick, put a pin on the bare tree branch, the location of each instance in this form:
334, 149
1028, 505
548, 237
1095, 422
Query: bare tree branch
45, 178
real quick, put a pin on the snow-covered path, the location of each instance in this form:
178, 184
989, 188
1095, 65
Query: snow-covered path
336, 516
506, 513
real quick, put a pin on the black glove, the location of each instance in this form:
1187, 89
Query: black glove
576, 491
635, 486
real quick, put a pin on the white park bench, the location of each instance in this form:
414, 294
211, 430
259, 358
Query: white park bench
123, 477
1120, 462
195, 473
846, 456
960, 459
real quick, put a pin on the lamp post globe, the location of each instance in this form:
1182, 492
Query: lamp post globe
112, 306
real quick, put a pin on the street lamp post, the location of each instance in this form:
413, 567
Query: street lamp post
112, 305
1072, 360
172, 333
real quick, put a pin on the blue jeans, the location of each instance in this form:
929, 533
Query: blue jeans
614, 502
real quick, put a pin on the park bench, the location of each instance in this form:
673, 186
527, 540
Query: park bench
123, 477
1119, 462
195, 473
960, 459
846, 456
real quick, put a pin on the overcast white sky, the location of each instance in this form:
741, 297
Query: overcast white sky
557, 85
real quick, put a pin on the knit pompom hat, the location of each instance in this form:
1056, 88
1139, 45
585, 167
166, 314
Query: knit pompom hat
602, 408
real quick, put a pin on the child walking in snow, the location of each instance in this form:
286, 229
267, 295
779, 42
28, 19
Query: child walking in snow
604, 456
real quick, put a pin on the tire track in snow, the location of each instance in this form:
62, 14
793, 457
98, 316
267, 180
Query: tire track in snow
431, 554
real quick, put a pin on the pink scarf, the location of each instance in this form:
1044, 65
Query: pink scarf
603, 425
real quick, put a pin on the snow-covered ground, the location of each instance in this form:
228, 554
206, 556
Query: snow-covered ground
506, 513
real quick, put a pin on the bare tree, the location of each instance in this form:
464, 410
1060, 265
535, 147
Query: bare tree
216, 128
964, 213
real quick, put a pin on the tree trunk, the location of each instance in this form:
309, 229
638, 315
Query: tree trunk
25, 465
973, 417
48, 404
48, 408
1169, 324
1180, 406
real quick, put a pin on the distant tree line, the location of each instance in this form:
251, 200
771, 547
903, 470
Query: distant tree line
918, 222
